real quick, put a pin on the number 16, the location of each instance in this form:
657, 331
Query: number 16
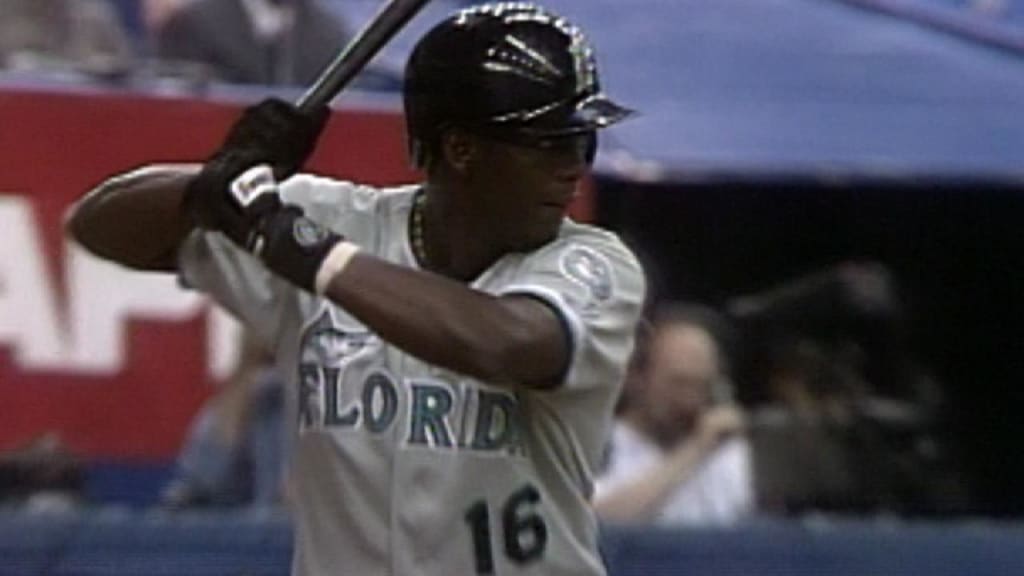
523, 530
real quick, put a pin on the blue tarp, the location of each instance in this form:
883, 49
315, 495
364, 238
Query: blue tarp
802, 87
770, 88
805, 88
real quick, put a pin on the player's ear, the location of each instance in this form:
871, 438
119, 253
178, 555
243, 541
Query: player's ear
459, 149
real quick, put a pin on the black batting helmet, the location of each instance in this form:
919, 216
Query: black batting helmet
511, 70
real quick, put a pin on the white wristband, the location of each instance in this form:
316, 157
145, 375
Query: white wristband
336, 261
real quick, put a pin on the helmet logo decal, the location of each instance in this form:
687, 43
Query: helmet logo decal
520, 69
584, 66
513, 56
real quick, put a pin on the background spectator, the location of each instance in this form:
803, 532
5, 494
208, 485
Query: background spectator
155, 13
252, 41
78, 35
234, 452
677, 454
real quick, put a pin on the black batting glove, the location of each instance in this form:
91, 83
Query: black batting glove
285, 134
207, 196
293, 246
272, 133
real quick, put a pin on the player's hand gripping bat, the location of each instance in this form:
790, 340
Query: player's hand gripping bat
255, 182
262, 225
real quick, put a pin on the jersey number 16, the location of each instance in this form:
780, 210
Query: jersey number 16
523, 530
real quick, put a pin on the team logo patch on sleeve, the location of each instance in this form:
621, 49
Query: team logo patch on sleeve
591, 270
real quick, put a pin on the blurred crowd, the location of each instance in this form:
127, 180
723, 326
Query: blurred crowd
269, 42
804, 398
236, 41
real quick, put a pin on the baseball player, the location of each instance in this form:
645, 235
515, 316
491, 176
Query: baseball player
455, 347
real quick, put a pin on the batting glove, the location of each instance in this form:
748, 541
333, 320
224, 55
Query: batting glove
284, 133
291, 245
300, 250
272, 133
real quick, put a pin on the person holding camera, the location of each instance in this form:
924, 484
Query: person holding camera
678, 454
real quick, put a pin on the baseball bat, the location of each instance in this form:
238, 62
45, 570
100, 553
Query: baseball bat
391, 17
258, 181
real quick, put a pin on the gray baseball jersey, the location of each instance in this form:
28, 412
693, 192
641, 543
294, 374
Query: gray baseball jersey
399, 467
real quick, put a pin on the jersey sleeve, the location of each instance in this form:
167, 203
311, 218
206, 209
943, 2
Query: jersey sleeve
349, 209
211, 263
597, 287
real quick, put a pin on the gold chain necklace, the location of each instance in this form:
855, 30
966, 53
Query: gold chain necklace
419, 249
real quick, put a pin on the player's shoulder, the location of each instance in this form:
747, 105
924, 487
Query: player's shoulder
322, 195
591, 257
577, 237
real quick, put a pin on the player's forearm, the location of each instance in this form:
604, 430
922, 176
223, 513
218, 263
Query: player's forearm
642, 498
135, 218
448, 324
